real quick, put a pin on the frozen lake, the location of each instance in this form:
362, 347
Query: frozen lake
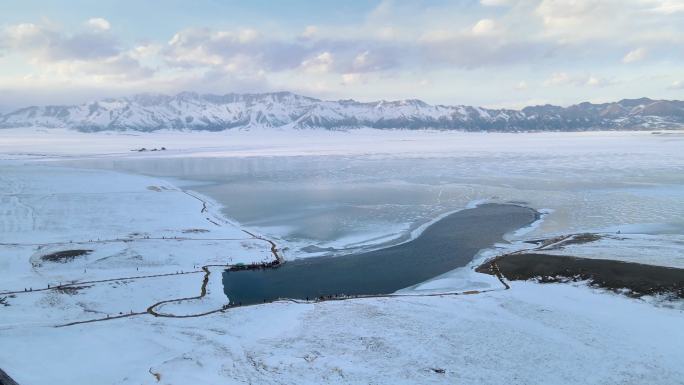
318, 204
344, 204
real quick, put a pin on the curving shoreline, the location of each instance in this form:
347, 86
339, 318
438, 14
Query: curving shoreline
450, 243
633, 279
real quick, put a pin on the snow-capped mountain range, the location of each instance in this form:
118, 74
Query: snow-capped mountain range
191, 111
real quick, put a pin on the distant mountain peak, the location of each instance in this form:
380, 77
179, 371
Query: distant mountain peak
287, 110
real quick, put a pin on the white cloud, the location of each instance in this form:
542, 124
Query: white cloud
444, 43
351, 78
484, 27
634, 55
310, 32
247, 35
122, 67
321, 63
361, 60
85, 56
99, 24
43, 43
587, 20
437, 35
594, 81
521, 86
495, 3
23, 31
145, 51
566, 13
206, 49
667, 7
27, 38
387, 33
559, 79
677, 85
613, 22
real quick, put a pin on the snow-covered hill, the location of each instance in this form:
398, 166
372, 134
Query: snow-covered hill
191, 111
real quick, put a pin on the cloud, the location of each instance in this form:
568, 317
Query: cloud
614, 21
634, 55
144, 51
43, 43
559, 16
361, 60
559, 79
320, 63
481, 51
495, 43
495, 3
546, 33
247, 35
122, 67
594, 81
484, 27
376, 59
92, 55
203, 47
24, 37
667, 7
99, 24
310, 32
521, 86
83, 46
676, 85
195, 48
351, 78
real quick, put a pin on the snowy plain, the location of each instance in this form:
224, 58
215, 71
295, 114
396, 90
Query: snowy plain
632, 182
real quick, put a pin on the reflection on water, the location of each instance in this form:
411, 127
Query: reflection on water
336, 202
329, 202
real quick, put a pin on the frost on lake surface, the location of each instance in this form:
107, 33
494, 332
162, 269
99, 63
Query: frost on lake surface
150, 221
627, 183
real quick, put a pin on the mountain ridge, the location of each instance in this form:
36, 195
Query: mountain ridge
193, 111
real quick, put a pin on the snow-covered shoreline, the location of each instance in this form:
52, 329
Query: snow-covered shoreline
582, 335
40, 143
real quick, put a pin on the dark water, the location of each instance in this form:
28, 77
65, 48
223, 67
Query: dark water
447, 244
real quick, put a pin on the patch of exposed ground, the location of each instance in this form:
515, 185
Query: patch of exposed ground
564, 240
579, 239
70, 290
195, 231
633, 279
65, 255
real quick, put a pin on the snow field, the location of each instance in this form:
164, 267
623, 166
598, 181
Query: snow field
531, 334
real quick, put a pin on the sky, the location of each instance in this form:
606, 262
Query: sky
493, 53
